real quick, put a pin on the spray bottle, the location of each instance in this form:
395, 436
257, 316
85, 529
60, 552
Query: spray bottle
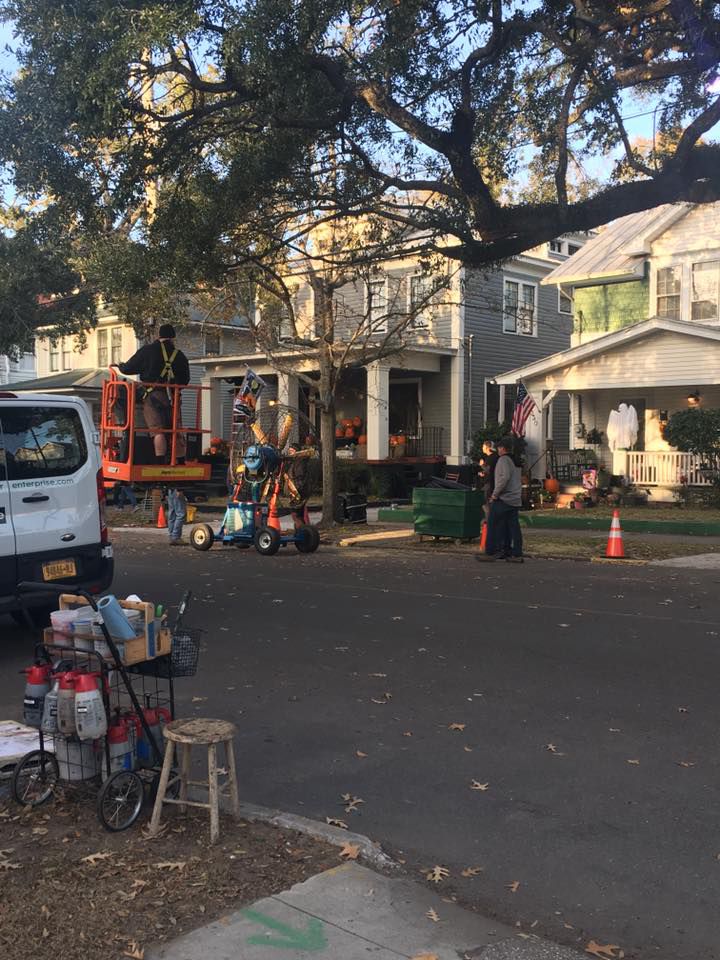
90, 716
37, 686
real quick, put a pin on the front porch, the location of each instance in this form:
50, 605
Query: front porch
407, 409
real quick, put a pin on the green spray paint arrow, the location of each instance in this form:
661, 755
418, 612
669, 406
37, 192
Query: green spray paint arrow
312, 939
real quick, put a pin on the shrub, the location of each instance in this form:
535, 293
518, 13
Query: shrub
695, 431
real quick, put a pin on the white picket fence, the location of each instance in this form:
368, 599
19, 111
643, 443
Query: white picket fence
660, 468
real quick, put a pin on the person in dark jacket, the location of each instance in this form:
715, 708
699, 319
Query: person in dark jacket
486, 473
504, 537
156, 363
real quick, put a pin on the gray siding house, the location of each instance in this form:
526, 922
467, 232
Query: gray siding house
430, 397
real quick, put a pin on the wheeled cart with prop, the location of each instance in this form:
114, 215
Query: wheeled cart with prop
246, 524
99, 703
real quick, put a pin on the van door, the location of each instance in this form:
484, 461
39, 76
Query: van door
52, 470
8, 561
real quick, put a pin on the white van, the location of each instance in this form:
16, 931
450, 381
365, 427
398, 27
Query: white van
52, 499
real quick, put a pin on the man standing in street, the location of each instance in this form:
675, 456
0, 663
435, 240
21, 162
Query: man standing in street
160, 362
504, 539
177, 513
486, 473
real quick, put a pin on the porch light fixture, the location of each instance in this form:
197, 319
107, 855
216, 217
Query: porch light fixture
694, 399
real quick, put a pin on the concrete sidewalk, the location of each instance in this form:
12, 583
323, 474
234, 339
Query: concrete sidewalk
352, 913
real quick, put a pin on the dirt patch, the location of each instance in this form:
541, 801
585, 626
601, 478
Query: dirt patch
58, 899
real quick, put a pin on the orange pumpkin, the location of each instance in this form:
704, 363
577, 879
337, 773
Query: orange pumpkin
349, 433
552, 485
362, 439
357, 421
339, 432
346, 422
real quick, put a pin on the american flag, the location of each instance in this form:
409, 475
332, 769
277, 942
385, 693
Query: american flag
524, 406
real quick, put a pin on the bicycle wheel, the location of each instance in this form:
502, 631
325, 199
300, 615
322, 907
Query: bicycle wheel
35, 777
120, 800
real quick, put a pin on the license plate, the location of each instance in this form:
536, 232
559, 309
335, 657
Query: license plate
59, 569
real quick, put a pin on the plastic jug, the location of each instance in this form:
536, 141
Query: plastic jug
49, 722
66, 704
90, 716
77, 759
122, 755
154, 718
37, 686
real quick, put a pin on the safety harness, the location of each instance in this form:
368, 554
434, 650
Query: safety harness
167, 373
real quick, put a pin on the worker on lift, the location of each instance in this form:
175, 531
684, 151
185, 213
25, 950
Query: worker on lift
160, 362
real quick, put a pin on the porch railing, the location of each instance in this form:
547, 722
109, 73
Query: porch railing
661, 468
430, 444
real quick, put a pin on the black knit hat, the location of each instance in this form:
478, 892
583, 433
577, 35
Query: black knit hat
166, 332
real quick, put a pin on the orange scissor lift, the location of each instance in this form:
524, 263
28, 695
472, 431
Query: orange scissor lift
126, 446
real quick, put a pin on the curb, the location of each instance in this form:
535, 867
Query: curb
618, 560
372, 852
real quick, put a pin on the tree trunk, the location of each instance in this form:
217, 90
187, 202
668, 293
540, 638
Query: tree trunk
323, 304
327, 438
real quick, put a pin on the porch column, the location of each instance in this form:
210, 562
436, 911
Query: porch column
457, 396
210, 409
377, 403
536, 438
287, 390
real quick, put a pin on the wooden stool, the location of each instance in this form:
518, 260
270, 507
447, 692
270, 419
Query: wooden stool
186, 734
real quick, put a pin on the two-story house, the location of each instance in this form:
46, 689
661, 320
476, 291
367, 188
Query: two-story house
428, 398
78, 366
646, 300
15, 371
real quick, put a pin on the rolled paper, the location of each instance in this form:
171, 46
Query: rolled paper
114, 618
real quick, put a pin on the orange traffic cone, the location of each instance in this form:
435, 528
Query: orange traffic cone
615, 549
483, 536
273, 519
161, 521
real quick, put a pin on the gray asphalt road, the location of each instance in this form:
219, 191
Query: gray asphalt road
588, 696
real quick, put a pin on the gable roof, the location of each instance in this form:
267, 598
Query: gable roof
619, 251
600, 345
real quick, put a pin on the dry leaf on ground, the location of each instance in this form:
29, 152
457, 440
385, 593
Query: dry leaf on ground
686, 763
386, 698
93, 858
514, 886
351, 802
470, 871
360, 754
351, 851
425, 956
9, 865
433, 915
604, 950
476, 785
635, 763
407, 733
198, 699
134, 951
377, 676
334, 822
437, 874
457, 726
171, 865
551, 748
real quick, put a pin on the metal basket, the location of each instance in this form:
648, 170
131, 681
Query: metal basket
185, 652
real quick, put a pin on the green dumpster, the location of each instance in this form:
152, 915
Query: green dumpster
447, 513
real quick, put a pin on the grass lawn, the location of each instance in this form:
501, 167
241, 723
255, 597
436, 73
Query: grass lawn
669, 512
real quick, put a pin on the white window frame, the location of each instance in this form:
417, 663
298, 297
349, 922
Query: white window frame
373, 326
520, 282
116, 334
423, 319
215, 333
568, 296
573, 248
54, 361
700, 263
680, 295
560, 251
102, 337
65, 352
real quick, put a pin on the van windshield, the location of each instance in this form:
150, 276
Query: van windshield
42, 442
